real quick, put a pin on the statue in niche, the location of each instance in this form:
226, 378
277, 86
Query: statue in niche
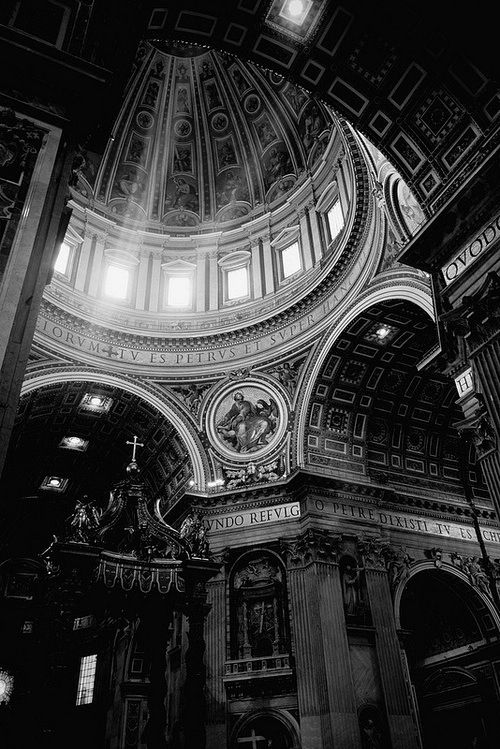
371, 731
351, 587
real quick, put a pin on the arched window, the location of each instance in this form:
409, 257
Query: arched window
258, 608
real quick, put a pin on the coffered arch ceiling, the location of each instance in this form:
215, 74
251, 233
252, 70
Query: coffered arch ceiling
399, 74
373, 414
49, 414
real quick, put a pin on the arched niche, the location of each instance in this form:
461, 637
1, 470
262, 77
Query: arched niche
354, 592
450, 635
259, 729
258, 607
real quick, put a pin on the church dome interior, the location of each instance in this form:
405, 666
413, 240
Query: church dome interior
249, 392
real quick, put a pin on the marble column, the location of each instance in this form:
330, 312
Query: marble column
403, 729
215, 659
325, 688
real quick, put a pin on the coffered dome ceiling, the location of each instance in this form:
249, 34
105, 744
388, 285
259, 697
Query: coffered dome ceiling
203, 139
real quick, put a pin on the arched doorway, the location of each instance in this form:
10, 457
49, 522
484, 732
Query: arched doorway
450, 641
265, 731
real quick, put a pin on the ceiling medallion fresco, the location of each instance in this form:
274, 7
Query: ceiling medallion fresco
247, 421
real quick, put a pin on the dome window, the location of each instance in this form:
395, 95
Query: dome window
179, 283
291, 262
62, 261
68, 251
235, 270
333, 208
335, 219
117, 281
119, 274
237, 283
288, 254
179, 291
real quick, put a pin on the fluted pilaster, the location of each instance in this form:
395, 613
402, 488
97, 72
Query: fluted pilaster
325, 689
403, 729
215, 657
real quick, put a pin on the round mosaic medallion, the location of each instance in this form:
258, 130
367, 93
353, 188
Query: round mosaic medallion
252, 104
219, 122
145, 120
247, 420
182, 128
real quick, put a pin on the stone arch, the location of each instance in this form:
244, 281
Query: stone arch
375, 411
387, 77
449, 629
282, 717
40, 376
415, 291
445, 569
250, 587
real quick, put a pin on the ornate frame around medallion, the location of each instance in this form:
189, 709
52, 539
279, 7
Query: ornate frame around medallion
226, 392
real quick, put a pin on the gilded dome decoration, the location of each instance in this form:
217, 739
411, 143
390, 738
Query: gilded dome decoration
203, 140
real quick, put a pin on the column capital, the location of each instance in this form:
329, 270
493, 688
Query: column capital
375, 552
311, 546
